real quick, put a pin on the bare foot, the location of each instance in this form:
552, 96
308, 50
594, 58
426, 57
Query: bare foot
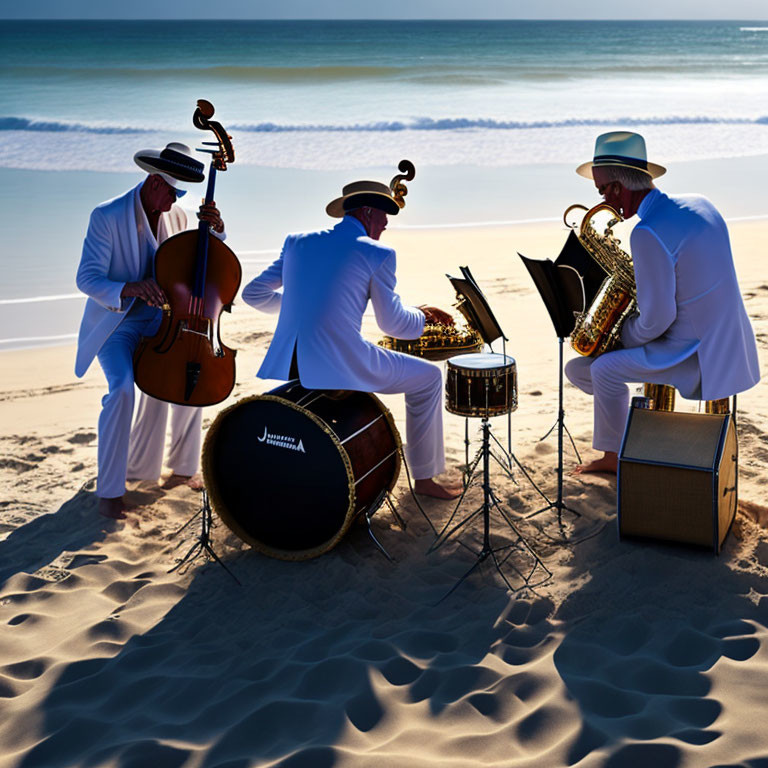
113, 508
608, 462
428, 487
195, 482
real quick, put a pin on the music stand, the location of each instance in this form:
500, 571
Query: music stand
474, 306
566, 286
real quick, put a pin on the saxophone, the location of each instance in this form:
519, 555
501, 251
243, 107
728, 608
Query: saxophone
598, 327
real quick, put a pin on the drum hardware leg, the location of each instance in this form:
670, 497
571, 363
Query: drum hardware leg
491, 501
413, 493
203, 544
445, 535
509, 458
368, 518
440, 538
370, 511
465, 471
388, 501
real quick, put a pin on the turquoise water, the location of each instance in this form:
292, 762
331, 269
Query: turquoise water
495, 115
341, 94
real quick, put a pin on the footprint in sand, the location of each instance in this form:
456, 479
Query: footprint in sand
82, 438
16, 465
85, 559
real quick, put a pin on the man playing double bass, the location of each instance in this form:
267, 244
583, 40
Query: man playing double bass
116, 273
691, 329
328, 278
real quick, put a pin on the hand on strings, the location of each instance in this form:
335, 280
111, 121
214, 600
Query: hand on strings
210, 213
436, 316
146, 290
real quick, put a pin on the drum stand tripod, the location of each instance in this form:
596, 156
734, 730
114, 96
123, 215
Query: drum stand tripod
203, 544
491, 501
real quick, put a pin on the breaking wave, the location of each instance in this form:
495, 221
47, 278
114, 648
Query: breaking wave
415, 124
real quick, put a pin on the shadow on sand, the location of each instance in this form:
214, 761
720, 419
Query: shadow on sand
350, 648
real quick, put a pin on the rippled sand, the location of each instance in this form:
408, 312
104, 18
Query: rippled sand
629, 655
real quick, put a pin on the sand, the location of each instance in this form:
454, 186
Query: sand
631, 654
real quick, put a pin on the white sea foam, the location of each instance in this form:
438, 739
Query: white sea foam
21, 340
32, 125
35, 299
315, 149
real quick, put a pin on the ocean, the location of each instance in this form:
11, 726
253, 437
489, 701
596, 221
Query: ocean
333, 94
313, 103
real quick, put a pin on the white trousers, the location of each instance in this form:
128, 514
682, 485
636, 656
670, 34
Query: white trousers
606, 378
422, 383
116, 359
145, 450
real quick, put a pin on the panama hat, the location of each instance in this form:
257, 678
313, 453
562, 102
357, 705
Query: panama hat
174, 163
622, 148
360, 193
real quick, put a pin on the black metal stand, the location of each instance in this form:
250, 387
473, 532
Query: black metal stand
413, 496
490, 501
559, 504
203, 544
382, 498
508, 456
385, 498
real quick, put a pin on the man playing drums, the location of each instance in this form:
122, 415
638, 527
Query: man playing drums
327, 279
691, 329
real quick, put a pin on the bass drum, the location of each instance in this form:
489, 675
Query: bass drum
290, 470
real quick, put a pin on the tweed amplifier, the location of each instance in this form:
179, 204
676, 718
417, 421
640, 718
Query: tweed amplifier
678, 477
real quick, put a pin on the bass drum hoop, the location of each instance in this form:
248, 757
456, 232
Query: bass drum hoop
231, 522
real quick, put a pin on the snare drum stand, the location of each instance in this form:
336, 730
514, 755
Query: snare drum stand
507, 454
491, 501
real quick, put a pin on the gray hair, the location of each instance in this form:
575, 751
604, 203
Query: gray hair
629, 178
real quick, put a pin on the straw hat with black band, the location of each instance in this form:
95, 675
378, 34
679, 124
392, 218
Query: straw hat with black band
624, 149
174, 163
373, 194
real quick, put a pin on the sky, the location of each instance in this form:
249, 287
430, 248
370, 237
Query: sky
754, 10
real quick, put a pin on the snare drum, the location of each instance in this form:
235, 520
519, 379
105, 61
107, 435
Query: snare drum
482, 385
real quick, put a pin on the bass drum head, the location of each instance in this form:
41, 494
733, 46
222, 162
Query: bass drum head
278, 478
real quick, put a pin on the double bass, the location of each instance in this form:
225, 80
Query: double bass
185, 362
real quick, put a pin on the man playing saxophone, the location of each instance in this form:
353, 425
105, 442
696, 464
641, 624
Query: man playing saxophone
691, 329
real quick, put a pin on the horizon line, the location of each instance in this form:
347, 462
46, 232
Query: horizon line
250, 18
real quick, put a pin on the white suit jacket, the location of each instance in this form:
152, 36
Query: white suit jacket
328, 278
111, 258
688, 296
